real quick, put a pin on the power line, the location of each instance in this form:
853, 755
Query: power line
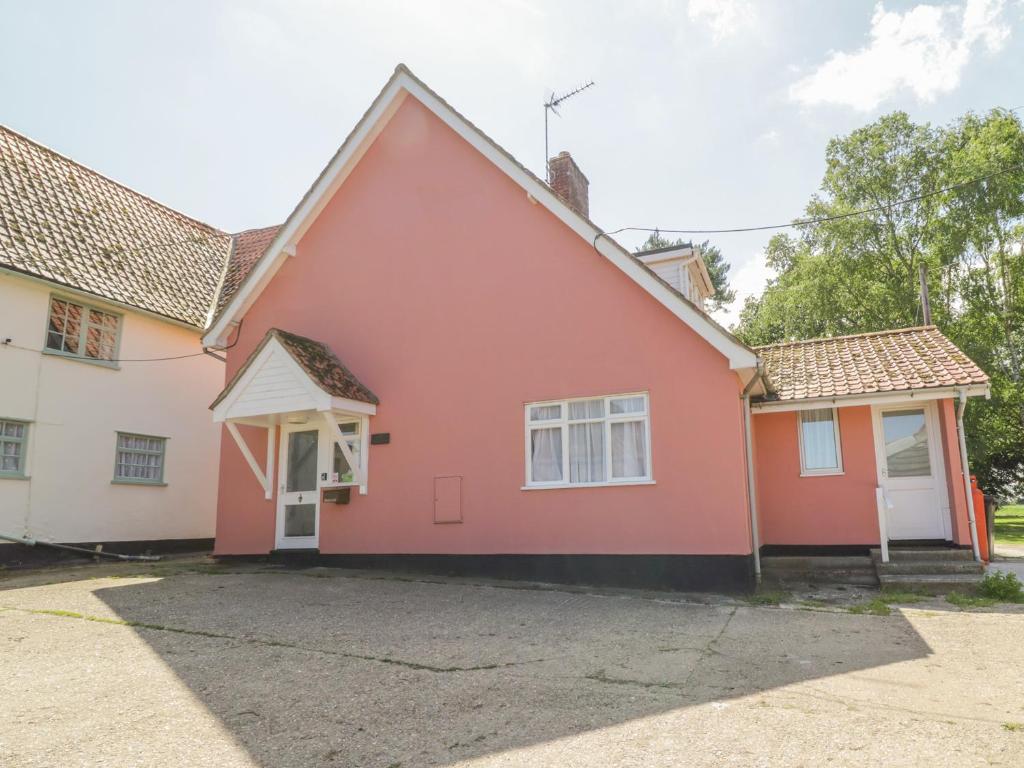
7, 343
820, 219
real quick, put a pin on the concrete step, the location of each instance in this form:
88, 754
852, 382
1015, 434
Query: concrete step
933, 554
829, 569
935, 584
811, 562
935, 567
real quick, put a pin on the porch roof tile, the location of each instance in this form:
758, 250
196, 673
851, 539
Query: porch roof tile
319, 363
867, 363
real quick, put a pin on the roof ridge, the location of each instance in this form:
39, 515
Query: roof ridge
819, 339
122, 185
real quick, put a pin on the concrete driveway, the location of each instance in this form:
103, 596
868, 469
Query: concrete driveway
192, 665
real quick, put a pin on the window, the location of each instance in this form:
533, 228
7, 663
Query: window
13, 438
140, 459
820, 449
341, 471
81, 331
595, 441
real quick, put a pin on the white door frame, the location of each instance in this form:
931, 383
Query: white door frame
936, 455
283, 499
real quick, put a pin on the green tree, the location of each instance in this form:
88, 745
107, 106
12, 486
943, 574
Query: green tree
718, 268
857, 273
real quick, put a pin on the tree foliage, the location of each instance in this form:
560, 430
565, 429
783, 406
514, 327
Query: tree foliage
857, 273
718, 268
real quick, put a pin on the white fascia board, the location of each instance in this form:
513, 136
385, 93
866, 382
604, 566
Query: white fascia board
323, 189
345, 405
682, 252
702, 267
880, 398
369, 127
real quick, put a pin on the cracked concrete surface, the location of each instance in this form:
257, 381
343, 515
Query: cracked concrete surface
245, 666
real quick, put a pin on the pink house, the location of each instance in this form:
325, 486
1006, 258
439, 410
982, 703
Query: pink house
439, 362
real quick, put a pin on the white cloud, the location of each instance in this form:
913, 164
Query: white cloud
724, 18
923, 50
747, 279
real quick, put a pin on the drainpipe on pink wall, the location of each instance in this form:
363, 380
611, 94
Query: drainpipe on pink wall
965, 468
755, 539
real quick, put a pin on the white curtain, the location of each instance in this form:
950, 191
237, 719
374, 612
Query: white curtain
629, 449
545, 412
586, 453
819, 439
546, 455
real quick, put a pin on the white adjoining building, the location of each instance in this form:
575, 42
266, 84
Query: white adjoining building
99, 442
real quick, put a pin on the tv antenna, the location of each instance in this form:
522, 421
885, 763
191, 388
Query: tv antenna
551, 105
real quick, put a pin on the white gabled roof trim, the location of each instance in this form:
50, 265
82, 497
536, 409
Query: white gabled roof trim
313, 399
404, 83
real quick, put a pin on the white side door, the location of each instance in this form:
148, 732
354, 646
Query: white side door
912, 471
298, 492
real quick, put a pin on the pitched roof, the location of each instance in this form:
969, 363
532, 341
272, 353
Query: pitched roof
68, 224
317, 360
868, 363
247, 247
401, 84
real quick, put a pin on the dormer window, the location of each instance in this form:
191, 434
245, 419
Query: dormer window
682, 267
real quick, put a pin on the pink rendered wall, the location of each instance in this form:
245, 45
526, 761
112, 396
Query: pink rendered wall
457, 300
824, 510
954, 477
837, 509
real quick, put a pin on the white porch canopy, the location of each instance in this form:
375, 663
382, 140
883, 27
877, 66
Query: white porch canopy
290, 379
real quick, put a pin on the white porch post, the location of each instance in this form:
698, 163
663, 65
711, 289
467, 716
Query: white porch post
250, 459
271, 452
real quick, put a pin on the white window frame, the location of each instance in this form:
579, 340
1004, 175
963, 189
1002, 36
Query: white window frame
608, 419
825, 471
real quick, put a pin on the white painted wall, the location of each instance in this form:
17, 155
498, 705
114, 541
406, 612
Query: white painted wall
76, 408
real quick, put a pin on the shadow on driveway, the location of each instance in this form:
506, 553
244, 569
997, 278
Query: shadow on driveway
349, 669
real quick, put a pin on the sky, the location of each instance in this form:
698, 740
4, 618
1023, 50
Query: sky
705, 114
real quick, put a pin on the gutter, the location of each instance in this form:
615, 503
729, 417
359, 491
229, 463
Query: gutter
966, 470
873, 398
95, 298
755, 538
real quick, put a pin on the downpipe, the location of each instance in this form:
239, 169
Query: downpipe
755, 538
71, 548
966, 470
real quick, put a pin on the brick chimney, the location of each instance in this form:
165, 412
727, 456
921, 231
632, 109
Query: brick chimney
569, 183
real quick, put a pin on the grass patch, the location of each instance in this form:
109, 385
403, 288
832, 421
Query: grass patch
876, 607
1009, 524
767, 597
963, 601
879, 606
1002, 586
1016, 727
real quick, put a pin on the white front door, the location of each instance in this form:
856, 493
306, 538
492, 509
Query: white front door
298, 497
911, 470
